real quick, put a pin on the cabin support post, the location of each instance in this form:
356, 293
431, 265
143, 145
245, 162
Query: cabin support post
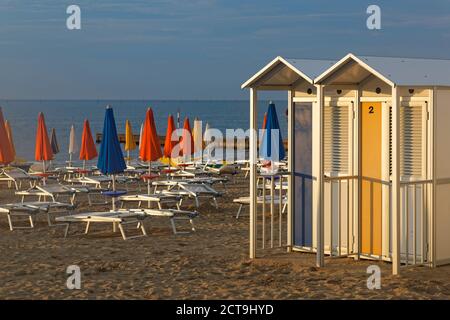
290, 191
395, 180
320, 261
253, 161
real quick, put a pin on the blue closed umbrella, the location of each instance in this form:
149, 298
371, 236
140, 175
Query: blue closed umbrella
272, 150
111, 160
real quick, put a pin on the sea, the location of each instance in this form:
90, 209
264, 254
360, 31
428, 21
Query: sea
62, 114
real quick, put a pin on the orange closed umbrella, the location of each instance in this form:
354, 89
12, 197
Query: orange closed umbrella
88, 151
150, 149
187, 142
6, 152
43, 151
171, 138
10, 138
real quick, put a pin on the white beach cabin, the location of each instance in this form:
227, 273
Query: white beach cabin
380, 171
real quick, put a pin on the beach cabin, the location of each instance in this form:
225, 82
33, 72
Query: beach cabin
369, 169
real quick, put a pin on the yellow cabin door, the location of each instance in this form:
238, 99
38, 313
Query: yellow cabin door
371, 198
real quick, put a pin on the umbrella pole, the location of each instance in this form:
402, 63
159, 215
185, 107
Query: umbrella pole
70, 159
43, 171
148, 181
128, 157
114, 189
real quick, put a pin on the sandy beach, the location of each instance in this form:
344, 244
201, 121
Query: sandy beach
211, 263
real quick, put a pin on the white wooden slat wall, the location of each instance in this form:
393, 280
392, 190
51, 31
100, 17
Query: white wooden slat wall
411, 140
336, 138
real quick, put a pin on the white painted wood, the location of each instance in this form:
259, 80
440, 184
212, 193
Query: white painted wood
253, 159
320, 183
291, 115
395, 181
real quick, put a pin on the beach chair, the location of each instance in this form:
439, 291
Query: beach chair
230, 169
174, 215
101, 181
121, 218
159, 198
245, 201
194, 191
52, 191
31, 209
17, 176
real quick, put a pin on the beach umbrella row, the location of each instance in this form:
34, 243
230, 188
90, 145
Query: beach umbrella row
45, 149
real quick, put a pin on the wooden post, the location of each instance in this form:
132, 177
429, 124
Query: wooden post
320, 183
290, 191
253, 159
395, 181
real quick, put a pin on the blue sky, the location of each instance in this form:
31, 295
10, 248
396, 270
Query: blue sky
196, 49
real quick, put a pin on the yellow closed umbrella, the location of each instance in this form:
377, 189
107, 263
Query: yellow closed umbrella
10, 138
130, 144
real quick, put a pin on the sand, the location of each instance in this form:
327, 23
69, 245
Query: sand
211, 263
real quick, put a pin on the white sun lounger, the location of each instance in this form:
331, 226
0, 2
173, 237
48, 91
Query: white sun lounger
194, 191
30, 209
53, 191
116, 218
174, 215
245, 201
159, 198
100, 180
17, 176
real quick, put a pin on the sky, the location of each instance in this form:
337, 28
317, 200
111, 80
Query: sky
196, 49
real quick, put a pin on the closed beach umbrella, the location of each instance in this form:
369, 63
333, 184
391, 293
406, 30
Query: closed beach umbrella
187, 142
141, 131
6, 152
272, 150
10, 138
54, 142
130, 144
110, 160
150, 149
264, 121
207, 138
197, 137
43, 151
263, 128
171, 139
88, 151
73, 146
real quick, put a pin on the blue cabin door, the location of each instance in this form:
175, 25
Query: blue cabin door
303, 175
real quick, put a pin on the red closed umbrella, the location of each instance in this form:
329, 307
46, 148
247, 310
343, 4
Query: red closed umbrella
6, 149
171, 138
88, 151
187, 141
150, 149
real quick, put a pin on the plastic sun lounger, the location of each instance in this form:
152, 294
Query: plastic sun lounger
117, 218
30, 209
174, 215
245, 201
194, 191
159, 198
100, 180
17, 176
52, 191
